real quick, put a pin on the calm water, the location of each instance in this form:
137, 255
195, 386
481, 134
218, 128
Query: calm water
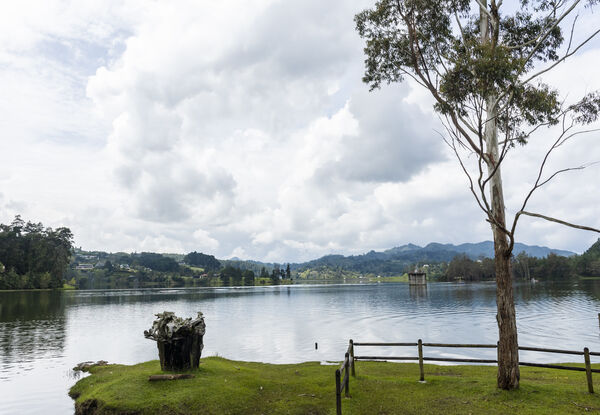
44, 334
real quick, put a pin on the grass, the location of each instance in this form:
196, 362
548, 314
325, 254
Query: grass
223, 386
384, 388
395, 278
220, 386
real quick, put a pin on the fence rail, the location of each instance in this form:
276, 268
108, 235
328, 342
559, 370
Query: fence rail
343, 384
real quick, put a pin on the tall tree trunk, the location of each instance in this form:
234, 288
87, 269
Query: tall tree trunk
508, 346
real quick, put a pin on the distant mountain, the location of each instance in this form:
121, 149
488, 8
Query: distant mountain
486, 249
402, 249
396, 260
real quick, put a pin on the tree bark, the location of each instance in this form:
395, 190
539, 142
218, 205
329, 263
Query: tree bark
508, 346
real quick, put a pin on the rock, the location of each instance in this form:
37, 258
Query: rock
85, 366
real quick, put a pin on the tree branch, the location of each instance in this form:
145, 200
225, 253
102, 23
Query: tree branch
556, 23
562, 222
483, 8
535, 75
426, 79
460, 28
556, 173
462, 165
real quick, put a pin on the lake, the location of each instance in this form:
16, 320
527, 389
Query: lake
44, 334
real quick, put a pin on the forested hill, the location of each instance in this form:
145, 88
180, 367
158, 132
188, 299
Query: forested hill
486, 249
395, 260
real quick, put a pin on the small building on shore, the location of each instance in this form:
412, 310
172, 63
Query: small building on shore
417, 278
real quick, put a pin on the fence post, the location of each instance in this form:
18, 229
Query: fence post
338, 393
498, 353
352, 358
420, 345
588, 369
347, 375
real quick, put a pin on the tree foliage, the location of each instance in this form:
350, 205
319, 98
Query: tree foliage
198, 259
464, 268
156, 262
438, 44
33, 256
588, 264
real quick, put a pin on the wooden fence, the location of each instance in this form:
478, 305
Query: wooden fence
342, 384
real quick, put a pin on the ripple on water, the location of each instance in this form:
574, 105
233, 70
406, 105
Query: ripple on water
275, 324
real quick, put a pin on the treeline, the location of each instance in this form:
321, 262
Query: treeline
32, 256
465, 269
378, 263
96, 270
198, 259
277, 274
524, 267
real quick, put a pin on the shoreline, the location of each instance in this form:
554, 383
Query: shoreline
302, 283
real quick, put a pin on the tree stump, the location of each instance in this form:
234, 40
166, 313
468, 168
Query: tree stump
179, 341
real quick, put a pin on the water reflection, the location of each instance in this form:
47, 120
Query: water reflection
31, 305
32, 327
418, 291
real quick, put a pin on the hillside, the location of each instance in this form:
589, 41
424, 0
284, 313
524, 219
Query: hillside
110, 270
486, 249
397, 259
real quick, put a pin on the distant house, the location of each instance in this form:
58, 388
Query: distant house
125, 267
85, 267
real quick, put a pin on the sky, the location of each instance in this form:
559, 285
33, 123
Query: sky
243, 129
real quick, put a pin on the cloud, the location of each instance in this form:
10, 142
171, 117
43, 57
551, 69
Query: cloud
241, 129
391, 144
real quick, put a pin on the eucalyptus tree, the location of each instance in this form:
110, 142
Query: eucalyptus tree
483, 62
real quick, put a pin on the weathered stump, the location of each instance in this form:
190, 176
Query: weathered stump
179, 354
179, 341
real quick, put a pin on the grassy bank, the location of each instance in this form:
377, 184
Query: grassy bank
395, 278
223, 386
